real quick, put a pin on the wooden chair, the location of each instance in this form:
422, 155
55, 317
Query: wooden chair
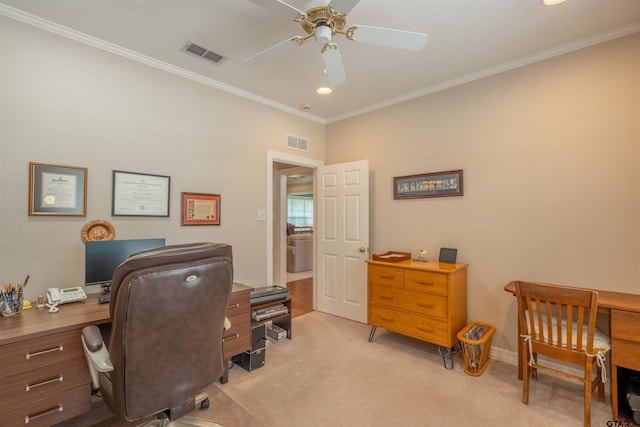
559, 322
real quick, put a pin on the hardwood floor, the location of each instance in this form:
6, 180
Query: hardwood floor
301, 294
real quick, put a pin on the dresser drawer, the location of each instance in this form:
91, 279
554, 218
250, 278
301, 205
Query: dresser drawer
50, 410
389, 276
413, 325
44, 351
625, 325
426, 281
418, 302
237, 339
44, 381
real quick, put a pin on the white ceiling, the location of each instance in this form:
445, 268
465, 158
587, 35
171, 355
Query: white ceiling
468, 39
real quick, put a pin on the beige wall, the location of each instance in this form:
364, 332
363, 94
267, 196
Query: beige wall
551, 160
70, 104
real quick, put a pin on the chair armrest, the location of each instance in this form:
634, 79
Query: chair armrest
97, 355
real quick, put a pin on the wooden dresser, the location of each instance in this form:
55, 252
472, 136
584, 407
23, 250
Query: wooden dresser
423, 300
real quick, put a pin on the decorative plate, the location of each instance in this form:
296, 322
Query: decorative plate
98, 230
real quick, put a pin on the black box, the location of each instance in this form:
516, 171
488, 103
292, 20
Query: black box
254, 358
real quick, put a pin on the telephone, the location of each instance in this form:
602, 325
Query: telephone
57, 296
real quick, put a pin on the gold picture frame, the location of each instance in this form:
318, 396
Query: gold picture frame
56, 190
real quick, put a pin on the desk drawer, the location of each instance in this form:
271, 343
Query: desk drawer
50, 410
418, 302
44, 381
420, 327
237, 339
44, 351
239, 304
625, 353
426, 281
389, 276
625, 325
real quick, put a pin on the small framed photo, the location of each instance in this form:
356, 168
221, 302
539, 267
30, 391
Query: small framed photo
437, 184
200, 209
57, 190
140, 194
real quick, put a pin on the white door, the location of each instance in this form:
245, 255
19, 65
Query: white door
342, 238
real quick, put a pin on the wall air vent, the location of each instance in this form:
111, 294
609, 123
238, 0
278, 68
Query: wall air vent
202, 52
297, 143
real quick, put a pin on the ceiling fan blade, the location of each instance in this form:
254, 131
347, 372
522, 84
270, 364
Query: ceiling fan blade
387, 37
269, 53
333, 65
279, 7
344, 6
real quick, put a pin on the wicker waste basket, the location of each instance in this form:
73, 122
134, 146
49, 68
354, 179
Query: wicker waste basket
475, 340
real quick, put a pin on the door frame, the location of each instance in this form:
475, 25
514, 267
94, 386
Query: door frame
273, 179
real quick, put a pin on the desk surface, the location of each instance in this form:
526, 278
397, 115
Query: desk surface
38, 322
606, 299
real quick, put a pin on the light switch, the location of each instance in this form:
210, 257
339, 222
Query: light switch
262, 215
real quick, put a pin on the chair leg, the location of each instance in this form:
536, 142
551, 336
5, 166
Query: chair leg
588, 391
526, 379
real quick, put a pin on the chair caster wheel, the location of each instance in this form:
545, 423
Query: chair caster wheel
204, 404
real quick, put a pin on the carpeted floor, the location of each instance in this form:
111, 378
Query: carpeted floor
330, 375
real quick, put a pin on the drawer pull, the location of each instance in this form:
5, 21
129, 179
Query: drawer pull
40, 353
420, 282
426, 304
386, 276
425, 328
386, 296
42, 414
236, 305
52, 380
386, 317
230, 338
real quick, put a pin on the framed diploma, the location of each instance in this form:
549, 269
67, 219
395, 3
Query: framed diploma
200, 209
140, 194
57, 190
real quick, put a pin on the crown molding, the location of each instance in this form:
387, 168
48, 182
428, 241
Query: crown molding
78, 36
491, 71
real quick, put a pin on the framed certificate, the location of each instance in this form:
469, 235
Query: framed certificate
57, 190
200, 209
140, 194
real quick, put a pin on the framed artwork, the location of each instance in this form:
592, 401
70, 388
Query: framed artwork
140, 194
200, 209
437, 184
57, 190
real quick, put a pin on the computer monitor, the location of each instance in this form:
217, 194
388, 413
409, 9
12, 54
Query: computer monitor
103, 257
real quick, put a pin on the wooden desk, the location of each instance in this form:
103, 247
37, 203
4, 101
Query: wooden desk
44, 373
624, 310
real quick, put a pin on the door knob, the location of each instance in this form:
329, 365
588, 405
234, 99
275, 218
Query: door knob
362, 249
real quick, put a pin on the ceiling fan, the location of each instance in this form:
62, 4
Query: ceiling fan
324, 22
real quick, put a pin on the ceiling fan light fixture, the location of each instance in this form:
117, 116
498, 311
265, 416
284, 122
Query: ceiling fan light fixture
324, 90
552, 2
322, 33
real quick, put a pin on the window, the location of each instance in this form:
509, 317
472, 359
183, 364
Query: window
300, 209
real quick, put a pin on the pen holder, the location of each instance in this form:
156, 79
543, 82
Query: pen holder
11, 303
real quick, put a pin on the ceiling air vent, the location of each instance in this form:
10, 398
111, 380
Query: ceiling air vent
297, 143
202, 52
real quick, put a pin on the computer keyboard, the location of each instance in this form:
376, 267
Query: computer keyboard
104, 298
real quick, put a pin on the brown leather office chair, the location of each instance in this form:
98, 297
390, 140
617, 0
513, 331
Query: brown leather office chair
559, 322
168, 308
